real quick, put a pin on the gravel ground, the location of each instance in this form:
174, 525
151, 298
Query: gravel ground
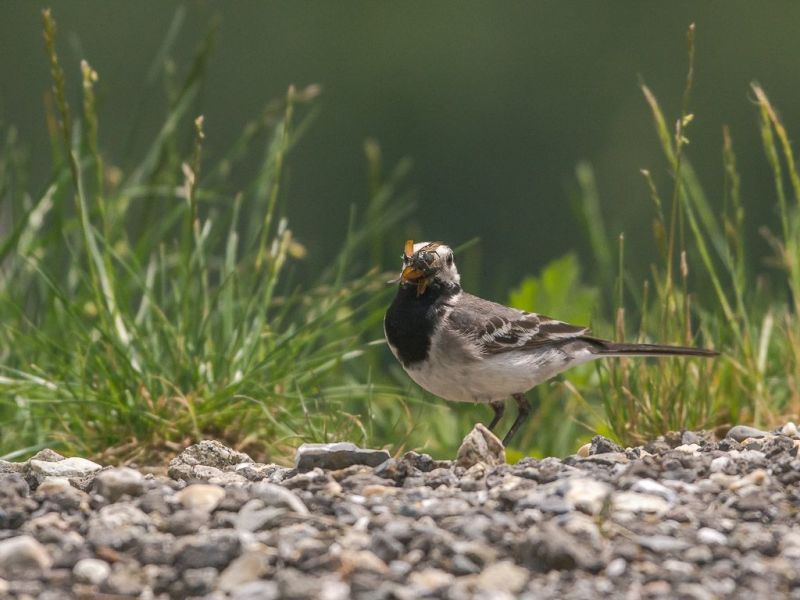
686, 516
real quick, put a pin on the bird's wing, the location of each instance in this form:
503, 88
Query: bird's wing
495, 328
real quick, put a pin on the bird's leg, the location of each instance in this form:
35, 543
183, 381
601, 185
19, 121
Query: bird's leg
524, 409
499, 407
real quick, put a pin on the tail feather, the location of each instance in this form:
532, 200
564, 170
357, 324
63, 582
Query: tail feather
607, 348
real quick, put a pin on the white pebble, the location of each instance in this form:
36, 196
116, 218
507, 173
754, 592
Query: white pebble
91, 570
706, 535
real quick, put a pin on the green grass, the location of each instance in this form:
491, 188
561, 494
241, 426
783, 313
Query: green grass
145, 309
703, 292
147, 305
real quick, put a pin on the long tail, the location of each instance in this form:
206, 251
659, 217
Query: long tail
606, 348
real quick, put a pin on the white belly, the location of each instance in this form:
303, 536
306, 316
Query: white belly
458, 377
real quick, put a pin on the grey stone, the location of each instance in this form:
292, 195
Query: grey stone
186, 522
742, 432
587, 495
256, 590
198, 582
603, 445
550, 547
74, 467
255, 516
275, 495
114, 483
156, 548
202, 497
649, 486
22, 557
117, 526
706, 535
247, 567
480, 446
215, 548
208, 453
336, 456
91, 570
634, 502
503, 576
125, 579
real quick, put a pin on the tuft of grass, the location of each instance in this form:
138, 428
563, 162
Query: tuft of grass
147, 307
703, 292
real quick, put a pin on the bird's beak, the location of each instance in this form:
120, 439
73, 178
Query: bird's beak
411, 274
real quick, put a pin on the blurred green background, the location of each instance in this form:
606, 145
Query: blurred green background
494, 102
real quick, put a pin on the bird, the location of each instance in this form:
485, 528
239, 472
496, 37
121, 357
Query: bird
463, 348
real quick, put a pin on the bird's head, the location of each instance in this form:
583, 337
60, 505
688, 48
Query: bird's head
427, 262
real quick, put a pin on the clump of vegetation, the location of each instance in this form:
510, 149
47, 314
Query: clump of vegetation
751, 316
145, 309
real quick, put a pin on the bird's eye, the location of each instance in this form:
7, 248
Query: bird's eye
449, 260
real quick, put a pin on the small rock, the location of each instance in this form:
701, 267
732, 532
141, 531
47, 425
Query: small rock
550, 547
199, 582
215, 548
117, 526
201, 497
185, 522
635, 503
114, 483
503, 576
616, 567
650, 486
69, 467
91, 570
208, 453
336, 456
275, 495
125, 579
742, 432
789, 430
254, 516
587, 495
247, 567
256, 590
47, 455
584, 450
661, 544
603, 445
53, 486
22, 557
711, 537
481, 446
429, 580
720, 464
688, 448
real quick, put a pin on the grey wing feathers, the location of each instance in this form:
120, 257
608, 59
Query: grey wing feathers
495, 328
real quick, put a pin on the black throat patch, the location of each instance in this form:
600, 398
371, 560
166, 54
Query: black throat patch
411, 320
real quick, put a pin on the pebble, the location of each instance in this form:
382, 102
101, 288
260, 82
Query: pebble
742, 432
202, 497
640, 503
68, 467
22, 557
711, 537
503, 576
117, 482
480, 446
336, 456
91, 570
789, 430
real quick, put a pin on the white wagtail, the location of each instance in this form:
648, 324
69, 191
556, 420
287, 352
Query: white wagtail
467, 349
